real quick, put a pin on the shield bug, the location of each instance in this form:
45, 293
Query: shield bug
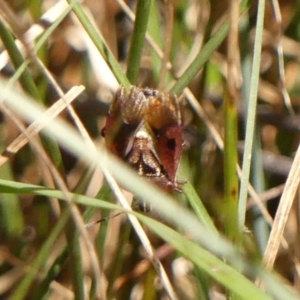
144, 128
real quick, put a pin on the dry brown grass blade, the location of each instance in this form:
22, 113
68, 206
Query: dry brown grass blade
234, 73
279, 50
143, 266
296, 246
101, 69
219, 142
19, 270
282, 213
60, 183
267, 195
34, 31
142, 236
36, 126
169, 11
28, 37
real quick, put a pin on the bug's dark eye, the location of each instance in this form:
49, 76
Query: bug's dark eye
103, 132
171, 144
149, 92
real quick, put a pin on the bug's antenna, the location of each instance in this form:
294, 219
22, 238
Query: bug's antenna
102, 220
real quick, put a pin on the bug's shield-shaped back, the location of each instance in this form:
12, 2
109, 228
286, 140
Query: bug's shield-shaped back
144, 128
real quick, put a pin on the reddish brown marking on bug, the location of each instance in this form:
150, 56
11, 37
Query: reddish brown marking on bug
144, 128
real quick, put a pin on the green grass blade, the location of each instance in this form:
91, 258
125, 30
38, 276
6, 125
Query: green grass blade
43, 288
12, 221
137, 40
99, 43
41, 41
231, 180
29, 86
193, 198
17, 59
206, 261
155, 32
40, 260
251, 114
204, 55
261, 229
